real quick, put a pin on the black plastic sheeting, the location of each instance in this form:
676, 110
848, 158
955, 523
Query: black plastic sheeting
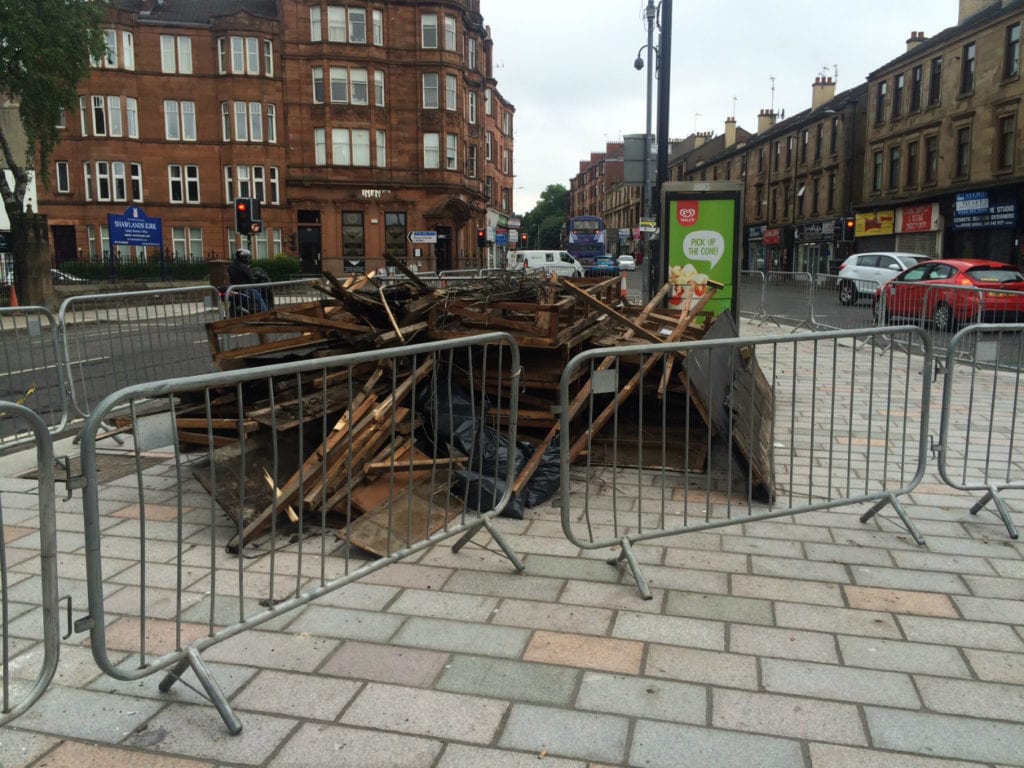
458, 419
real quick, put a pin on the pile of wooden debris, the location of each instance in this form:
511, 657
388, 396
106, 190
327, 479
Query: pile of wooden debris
552, 320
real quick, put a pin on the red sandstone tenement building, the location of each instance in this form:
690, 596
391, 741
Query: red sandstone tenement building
354, 124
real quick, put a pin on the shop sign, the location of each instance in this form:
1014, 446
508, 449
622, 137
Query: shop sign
876, 223
918, 218
773, 236
815, 230
973, 210
755, 233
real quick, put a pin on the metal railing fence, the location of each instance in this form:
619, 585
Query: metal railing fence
33, 373
28, 583
982, 417
692, 436
330, 468
118, 339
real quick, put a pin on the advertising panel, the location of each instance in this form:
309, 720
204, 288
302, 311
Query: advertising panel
702, 228
876, 223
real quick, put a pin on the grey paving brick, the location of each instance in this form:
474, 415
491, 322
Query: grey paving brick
89, 715
348, 624
385, 664
316, 744
464, 756
21, 748
787, 529
996, 665
459, 637
719, 607
646, 697
664, 577
360, 595
782, 643
526, 587
444, 605
198, 731
508, 679
838, 553
670, 745
927, 561
901, 656
564, 733
312, 697
808, 570
426, 713
836, 756
670, 630
990, 609
995, 586
296, 652
830, 681
828, 619
790, 590
703, 560
996, 701
615, 596
691, 665
553, 616
570, 568
994, 637
946, 736
900, 578
787, 716
767, 548
994, 547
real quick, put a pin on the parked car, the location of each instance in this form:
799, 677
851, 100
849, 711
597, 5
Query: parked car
560, 263
627, 262
950, 292
63, 278
603, 266
862, 273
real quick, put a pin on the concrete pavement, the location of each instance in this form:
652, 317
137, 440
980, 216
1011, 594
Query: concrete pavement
817, 641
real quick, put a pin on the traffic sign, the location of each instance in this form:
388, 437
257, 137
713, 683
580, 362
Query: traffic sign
648, 224
423, 237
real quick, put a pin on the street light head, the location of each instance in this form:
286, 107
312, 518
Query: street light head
638, 64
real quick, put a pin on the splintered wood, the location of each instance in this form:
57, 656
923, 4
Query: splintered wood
366, 474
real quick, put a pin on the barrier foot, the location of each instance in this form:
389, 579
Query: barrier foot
213, 691
500, 540
898, 508
634, 566
1001, 510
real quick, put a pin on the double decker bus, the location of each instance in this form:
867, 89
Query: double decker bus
585, 238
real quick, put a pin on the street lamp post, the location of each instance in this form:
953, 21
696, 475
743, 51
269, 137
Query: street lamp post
645, 192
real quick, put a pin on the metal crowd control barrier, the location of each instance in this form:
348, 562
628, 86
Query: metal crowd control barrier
831, 310
751, 295
791, 424
982, 429
114, 340
787, 297
33, 373
331, 469
25, 615
285, 293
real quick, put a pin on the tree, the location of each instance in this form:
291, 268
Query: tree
46, 48
544, 223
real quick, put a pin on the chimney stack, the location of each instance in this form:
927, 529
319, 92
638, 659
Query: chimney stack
730, 132
916, 38
970, 7
765, 120
823, 91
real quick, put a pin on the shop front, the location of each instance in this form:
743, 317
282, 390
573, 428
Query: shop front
815, 246
984, 226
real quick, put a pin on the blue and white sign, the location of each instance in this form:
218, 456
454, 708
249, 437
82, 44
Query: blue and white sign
422, 237
135, 228
974, 210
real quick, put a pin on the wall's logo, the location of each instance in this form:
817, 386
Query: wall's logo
687, 212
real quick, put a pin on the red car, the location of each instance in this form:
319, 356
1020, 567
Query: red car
950, 292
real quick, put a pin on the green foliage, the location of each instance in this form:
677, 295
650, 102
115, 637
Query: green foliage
280, 267
45, 50
547, 217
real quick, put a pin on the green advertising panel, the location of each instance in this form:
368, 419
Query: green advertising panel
702, 228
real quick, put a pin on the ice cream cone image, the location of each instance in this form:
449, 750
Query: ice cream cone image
681, 280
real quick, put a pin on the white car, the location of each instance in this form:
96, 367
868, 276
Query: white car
553, 262
626, 261
861, 274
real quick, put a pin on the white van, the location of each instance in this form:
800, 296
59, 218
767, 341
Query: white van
555, 262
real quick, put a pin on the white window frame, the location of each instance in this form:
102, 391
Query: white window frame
488, 146
256, 121
337, 25
451, 152
87, 178
135, 172
268, 57
102, 180
115, 125
110, 43
357, 26
131, 113
63, 177
359, 80
189, 131
361, 147
172, 122
428, 31
430, 94
341, 147
488, 106
237, 55
252, 55
118, 181
271, 123
471, 161
315, 25
431, 150
222, 55
471, 107
229, 183
128, 49
274, 185
451, 93
317, 74
382, 149
450, 36
338, 89
378, 87
259, 183
320, 146
244, 181
225, 120
505, 160
241, 121
84, 114
471, 54
378, 27
99, 115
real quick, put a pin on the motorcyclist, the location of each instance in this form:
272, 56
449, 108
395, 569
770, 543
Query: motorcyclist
241, 272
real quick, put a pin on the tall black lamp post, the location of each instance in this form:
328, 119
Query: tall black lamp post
651, 13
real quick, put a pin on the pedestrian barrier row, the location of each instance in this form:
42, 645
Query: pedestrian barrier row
694, 436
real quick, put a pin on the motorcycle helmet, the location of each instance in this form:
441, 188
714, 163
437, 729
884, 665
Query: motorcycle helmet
243, 256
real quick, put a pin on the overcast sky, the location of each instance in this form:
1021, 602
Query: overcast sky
567, 67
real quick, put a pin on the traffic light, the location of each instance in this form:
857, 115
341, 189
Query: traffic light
248, 220
524, 239
481, 237
849, 229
